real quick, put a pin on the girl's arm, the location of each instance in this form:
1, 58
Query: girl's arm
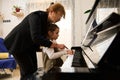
53, 55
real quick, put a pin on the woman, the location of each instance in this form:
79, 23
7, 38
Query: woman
26, 38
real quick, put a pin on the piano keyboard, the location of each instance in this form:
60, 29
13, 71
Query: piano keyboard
78, 59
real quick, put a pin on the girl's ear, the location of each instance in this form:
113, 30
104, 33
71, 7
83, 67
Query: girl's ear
49, 33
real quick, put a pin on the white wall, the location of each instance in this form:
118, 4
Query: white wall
0, 20
79, 19
7, 9
79, 30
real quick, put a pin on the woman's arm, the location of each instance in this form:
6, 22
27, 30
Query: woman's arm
36, 24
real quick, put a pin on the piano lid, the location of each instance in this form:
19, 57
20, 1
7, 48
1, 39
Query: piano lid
97, 43
103, 30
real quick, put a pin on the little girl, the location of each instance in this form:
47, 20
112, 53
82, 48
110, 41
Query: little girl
52, 56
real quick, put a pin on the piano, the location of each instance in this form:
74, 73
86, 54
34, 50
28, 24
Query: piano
98, 56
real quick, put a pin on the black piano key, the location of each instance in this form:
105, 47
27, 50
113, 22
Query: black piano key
78, 60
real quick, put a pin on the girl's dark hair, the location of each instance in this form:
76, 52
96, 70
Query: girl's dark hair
52, 27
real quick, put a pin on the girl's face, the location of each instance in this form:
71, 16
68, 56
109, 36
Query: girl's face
54, 35
54, 16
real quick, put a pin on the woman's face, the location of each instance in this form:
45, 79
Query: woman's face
54, 16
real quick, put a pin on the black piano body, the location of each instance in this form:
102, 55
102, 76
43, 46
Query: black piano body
107, 65
108, 68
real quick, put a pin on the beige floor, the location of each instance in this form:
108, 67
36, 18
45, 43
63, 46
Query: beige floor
10, 75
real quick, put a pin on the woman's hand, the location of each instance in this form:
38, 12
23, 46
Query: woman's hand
59, 46
71, 52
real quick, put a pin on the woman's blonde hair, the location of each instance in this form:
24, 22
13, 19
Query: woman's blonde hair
56, 7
